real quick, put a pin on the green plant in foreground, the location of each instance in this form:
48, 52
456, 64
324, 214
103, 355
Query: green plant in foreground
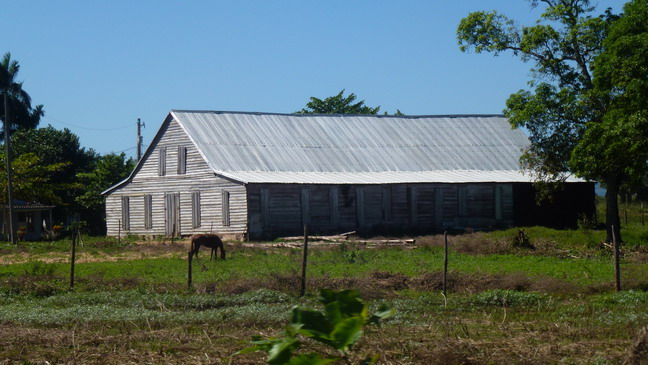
338, 327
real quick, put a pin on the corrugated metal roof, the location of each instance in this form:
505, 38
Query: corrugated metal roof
302, 148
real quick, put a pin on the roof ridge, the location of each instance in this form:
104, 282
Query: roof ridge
341, 115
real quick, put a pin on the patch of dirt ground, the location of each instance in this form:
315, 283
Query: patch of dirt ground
437, 343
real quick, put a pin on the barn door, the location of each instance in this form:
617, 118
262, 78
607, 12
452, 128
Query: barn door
172, 214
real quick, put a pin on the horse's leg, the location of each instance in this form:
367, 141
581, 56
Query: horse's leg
222, 250
211, 257
195, 248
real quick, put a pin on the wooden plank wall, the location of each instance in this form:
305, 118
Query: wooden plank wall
198, 177
282, 209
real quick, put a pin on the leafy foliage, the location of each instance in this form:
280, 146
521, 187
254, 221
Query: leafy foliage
339, 327
578, 120
338, 104
32, 180
57, 148
52, 145
562, 44
109, 170
61, 148
21, 113
618, 142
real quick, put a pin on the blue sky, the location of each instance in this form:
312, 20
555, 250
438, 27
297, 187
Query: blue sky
97, 66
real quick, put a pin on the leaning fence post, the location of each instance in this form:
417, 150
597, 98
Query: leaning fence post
189, 259
302, 290
72, 259
617, 267
445, 264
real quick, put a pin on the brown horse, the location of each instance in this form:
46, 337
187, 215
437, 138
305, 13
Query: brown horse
208, 240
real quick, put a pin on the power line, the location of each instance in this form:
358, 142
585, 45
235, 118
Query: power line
128, 149
88, 128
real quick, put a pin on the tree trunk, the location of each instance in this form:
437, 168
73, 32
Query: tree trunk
612, 208
7, 126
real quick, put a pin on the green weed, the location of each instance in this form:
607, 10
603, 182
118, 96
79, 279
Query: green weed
509, 298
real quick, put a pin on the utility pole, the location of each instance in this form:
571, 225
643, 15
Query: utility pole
12, 236
139, 138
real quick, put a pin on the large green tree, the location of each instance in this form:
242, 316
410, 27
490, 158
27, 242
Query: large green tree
31, 182
338, 104
616, 148
54, 146
559, 109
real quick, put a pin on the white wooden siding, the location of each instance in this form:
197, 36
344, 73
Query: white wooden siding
198, 177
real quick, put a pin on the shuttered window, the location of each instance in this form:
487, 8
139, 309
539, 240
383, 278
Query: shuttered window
182, 160
195, 209
387, 204
226, 208
148, 211
305, 206
162, 161
125, 213
334, 203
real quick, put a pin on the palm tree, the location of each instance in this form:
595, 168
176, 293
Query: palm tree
19, 102
16, 101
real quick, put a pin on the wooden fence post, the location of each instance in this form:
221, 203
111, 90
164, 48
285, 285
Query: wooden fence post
119, 231
617, 267
72, 259
189, 260
302, 290
445, 264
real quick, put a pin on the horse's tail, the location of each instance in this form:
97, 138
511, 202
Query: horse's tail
222, 248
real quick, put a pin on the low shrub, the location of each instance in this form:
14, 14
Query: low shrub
508, 298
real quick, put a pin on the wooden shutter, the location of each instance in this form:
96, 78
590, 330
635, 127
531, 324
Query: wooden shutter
162, 161
148, 211
195, 209
334, 207
498, 202
360, 206
387, 203
305, 205
411, 205
182, 160
125, 213
265, 207
226, 208
438, 207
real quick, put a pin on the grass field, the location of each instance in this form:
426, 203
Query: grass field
551, 301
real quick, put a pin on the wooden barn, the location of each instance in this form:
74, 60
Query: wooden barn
263, 175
